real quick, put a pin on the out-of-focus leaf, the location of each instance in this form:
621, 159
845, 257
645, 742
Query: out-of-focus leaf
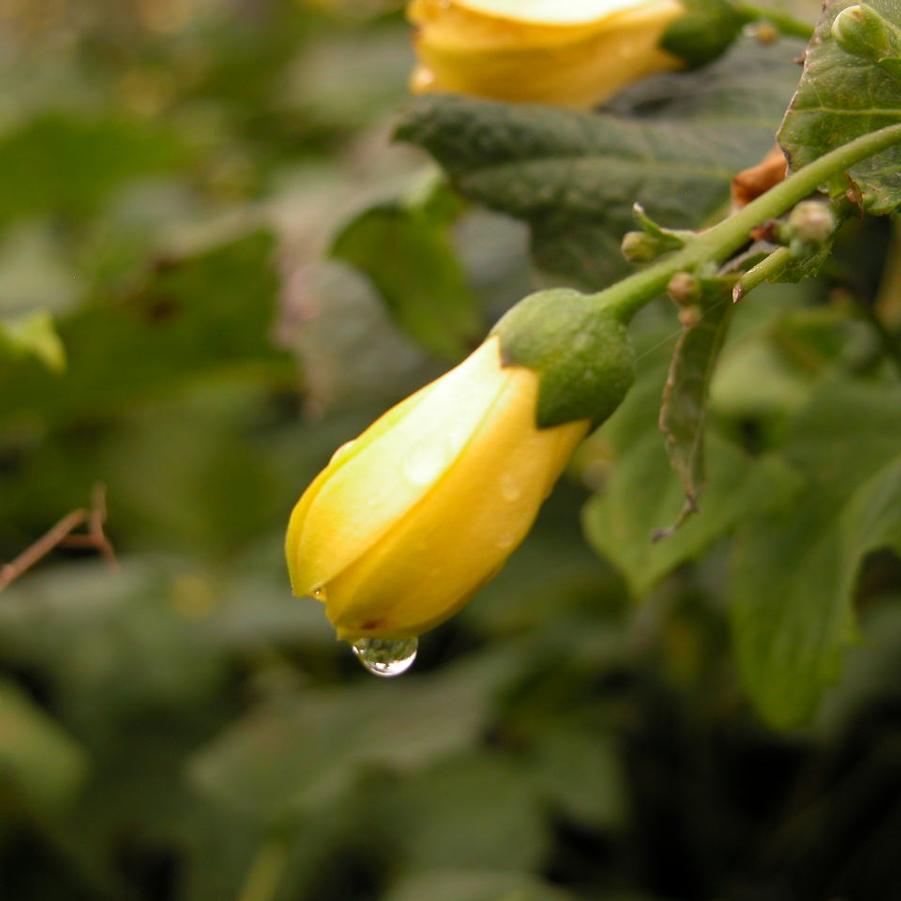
404, 247
287, 759
205, 317
643, 494
475, 885
672, 145
113, 642
581, 775
839, 98
41, 767
428, 817
33, 334
683, 413
67, 164
795, 570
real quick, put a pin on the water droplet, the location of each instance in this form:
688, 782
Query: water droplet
510, 490
319, 592
386, 657
424, 463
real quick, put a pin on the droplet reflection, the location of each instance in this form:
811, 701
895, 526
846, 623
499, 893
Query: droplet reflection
386, 657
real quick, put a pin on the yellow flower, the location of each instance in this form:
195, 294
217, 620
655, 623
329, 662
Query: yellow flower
406, 522
573, 53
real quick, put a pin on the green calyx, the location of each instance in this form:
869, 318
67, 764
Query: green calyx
705, 32
580, 350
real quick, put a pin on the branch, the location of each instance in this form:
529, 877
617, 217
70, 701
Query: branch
61, 535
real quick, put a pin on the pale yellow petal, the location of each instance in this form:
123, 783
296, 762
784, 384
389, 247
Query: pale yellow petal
429, 563
576, 65
550, 12
390, 468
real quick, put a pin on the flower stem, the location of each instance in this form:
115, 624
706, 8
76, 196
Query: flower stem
766, 269
784, 23
718, 243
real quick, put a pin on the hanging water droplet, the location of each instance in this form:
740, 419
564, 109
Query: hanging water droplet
510, 490
386, 657
424, 463
318, 592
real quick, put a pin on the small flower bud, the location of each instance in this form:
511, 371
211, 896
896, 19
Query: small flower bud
684, 289
810, 222
860, 30
637, 247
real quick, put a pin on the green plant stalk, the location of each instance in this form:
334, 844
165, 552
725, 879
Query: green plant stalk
718, 243
784, 23
766, 269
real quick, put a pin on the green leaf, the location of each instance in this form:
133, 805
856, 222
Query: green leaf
842, 96
683, 413
287, 759
33, 334
63, 164
40, 765
428, 815
672, 144
581, 773
792, 582
202, 317
644, 495
794, 570
405, 249
475, 885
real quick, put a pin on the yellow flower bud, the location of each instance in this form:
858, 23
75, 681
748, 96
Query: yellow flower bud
406, 522
573, 53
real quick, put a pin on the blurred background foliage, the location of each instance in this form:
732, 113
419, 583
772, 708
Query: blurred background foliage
177, 728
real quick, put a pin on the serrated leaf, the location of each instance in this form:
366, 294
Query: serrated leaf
794, 570
405, 249
841, 97
672, 144
683, 412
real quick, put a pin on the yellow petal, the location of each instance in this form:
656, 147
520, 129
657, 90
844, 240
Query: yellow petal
388, 469
461, 532
550, 12
528, 52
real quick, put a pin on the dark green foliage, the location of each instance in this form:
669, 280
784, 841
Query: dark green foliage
182, 729
841, 96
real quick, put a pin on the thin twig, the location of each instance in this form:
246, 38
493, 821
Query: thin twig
61, 535
37, 551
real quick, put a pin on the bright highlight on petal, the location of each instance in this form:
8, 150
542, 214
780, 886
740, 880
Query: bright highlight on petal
399, 530
571, 52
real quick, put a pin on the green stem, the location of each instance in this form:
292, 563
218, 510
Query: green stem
718, 243
764, 271
784, 24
